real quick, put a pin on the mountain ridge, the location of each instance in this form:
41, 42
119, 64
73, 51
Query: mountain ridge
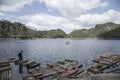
18, 30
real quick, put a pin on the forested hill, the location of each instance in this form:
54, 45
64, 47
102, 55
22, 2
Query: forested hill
17, 30
107, 30
53, 34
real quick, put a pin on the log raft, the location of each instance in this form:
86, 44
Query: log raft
5, 70
28, 64
104, 62
64, 68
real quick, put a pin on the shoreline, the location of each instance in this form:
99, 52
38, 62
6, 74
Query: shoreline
60, 38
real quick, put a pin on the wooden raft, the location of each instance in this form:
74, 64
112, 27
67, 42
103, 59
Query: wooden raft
105, 62
5, 71
55, 69
28, 64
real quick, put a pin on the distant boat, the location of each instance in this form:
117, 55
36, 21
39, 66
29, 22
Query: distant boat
67, 43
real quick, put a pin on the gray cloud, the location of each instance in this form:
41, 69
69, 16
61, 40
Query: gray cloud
13, 5
74, 8
47, 22
77, 9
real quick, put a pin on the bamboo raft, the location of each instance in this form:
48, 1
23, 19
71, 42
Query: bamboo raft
105, 62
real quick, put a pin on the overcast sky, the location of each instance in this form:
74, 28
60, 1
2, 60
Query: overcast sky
67, 15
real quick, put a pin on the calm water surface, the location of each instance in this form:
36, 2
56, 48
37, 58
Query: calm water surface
52, 50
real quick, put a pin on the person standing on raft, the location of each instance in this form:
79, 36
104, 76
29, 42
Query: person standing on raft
20, 58
20, 55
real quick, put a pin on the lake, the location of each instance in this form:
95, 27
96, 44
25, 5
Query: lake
52, 50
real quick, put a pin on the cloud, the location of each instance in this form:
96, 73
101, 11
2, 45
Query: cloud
13, 5
93, 19
74, 7
2, 14
47, 22
104, 4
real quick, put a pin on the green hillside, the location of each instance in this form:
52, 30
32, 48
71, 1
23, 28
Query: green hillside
17, 30
106, 30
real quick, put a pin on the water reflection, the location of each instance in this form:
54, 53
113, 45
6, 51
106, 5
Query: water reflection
20, 69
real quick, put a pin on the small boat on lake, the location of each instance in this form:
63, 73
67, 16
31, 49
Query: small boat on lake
70, 71
70, 67
67, 43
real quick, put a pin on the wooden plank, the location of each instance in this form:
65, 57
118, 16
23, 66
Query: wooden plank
35, 70
4, 62
37, 74
46, 75
33, 65
22, 61
28, 77
16, 61
11, 60
28, 63
4, 65
5, 69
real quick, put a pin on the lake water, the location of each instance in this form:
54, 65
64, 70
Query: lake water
52, 50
